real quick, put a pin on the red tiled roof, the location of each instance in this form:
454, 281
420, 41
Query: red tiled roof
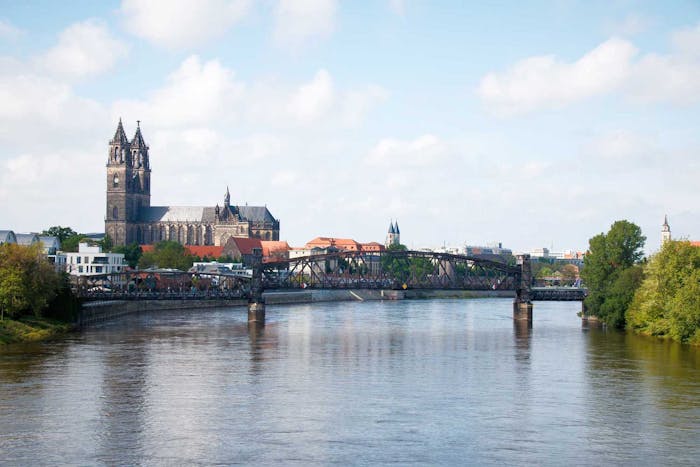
205, 250
197, 250
245, 245
272, 248
695, 242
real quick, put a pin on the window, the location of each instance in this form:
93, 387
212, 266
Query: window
77, 259
98, 269
115, 212
115, 181
80, 269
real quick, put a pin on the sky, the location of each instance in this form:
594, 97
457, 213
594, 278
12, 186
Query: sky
534, 124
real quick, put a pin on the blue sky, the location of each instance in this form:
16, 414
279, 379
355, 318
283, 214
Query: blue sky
529, 123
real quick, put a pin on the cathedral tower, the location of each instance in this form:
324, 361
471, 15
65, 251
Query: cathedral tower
128, 185
665, 231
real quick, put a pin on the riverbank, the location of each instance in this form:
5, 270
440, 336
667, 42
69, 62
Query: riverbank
31, 329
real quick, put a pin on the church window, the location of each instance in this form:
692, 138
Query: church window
115, 212
115, 180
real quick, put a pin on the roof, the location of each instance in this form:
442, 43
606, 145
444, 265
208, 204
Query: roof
340, 243
245, 245
695, 243
27, 238
255, 213
201, 214
7, 236
272, 248
173, 214
48, 241
205, 250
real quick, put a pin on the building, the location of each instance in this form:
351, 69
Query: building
342, 244
665, 231
539, 253
7, 236
393, 235
27, 239
90, 261
130, 217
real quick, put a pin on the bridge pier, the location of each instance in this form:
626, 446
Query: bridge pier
256, 304
522, 305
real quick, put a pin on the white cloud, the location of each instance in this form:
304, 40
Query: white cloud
196, 93
39, 105
424, 151
43, 181
83, 49
356, 103
313, 100
8, 30
297, 21
545, 82
181, 23
674, 77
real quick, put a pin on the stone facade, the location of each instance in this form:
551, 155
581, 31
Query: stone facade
131, 218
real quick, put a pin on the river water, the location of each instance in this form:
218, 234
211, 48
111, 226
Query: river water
448, 382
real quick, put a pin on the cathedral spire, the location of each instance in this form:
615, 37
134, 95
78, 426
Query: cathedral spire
119, 135
138, 141
227, 198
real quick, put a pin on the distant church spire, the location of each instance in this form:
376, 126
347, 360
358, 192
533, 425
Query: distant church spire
393, 236
665, 231
227, 198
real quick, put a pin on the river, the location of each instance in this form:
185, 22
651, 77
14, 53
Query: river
428, 382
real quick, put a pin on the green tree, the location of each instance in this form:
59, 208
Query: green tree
609, 255
28, 282
71, 242
667, 304
132, 253
59, 232
106, 243
12, 299
545, 271
167, 254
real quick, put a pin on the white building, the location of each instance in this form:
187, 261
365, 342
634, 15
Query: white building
540, 253
89, 260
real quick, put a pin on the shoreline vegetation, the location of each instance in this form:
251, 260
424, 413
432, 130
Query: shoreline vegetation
658, 296
31, 329
36, 301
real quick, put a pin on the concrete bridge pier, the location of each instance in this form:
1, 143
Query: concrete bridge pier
522, 305
256, 304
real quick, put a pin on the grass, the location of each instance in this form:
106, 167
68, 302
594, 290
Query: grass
30, 329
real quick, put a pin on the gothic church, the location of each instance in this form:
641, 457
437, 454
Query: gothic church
131, 218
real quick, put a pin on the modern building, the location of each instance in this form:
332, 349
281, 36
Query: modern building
7, 236
27, 239
90, 260
131, 218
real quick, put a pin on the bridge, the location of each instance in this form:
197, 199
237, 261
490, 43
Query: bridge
399, 270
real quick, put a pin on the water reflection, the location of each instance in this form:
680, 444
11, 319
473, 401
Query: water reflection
432, 382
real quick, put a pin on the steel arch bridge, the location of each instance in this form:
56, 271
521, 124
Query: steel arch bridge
390, 269
338, 270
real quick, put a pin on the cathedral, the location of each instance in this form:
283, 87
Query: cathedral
131, 218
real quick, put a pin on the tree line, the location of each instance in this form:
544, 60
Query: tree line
656, 296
